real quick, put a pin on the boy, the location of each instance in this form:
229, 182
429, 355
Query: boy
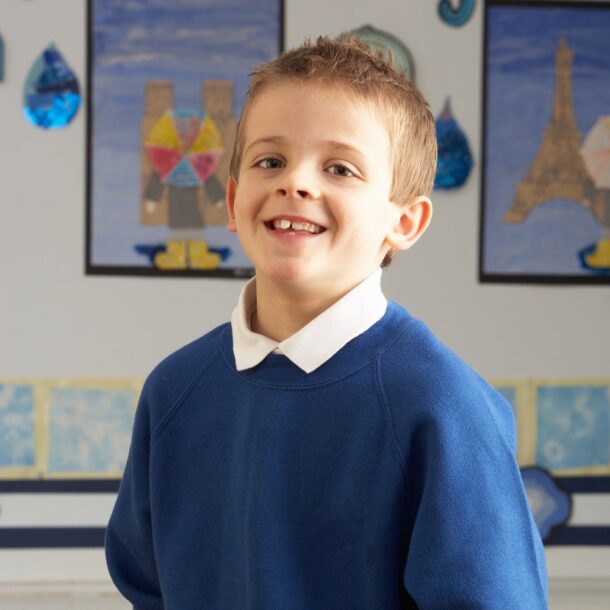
324, 451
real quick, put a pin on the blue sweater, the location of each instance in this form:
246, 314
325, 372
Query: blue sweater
385, 479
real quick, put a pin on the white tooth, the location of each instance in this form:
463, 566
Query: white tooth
305, 226
281, 224
296, 226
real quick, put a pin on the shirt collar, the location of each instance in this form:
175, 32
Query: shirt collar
317, 341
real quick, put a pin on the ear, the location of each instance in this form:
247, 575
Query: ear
413, 221
231, 189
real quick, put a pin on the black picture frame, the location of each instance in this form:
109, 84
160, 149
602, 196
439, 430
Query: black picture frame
530, 229
101, 222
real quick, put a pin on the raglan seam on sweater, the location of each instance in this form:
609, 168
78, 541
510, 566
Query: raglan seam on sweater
388, 417
384, 400
406, 327
180, 400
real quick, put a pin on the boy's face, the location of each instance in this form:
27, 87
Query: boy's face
311, 205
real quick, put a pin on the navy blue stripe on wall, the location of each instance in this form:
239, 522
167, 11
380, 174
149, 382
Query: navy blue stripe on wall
584, 485
75, 537
51, 537
575, 485
61, 486
93, 537
579, 536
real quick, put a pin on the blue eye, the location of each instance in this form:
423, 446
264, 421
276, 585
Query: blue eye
340, 170
269, 163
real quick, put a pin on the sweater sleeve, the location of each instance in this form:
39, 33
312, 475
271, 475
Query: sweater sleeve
129, 544
474, 543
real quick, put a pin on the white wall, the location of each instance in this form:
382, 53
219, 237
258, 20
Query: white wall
58, 322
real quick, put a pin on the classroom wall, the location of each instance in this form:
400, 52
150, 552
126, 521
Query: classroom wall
58, 322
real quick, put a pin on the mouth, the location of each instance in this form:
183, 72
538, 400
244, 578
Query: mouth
300, 226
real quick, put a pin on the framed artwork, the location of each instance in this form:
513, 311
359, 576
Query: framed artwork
88, 428
63, 448
563, 450
166, 86
19, 436
545, 192
570, 420
65, 428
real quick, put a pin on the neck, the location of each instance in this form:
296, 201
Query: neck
280, 313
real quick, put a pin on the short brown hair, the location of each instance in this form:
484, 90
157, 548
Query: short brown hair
369, 75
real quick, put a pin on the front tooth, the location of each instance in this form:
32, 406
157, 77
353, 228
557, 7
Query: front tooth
281, 224
304, 226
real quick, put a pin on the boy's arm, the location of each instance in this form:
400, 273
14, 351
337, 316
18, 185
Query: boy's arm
129, 544
474, 543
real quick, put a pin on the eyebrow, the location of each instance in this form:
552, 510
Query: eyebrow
331, 144
264, 140
336, 145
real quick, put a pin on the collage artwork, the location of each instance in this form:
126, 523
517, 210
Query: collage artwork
168, 81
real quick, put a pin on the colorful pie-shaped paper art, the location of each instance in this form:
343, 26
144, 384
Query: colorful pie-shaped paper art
184, 147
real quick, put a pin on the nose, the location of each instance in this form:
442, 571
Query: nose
300, 183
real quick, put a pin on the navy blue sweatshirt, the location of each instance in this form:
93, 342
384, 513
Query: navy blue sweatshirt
385, 479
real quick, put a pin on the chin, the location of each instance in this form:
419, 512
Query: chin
290, 273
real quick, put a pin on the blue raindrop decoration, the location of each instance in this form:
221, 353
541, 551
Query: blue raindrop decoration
454, 156
456, 17
51, 95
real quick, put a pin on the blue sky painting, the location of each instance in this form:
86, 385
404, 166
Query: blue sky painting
89, 429
183, 41
573, 424
16, 425
520, 74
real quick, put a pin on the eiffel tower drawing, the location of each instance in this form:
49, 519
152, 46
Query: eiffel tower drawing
558, 171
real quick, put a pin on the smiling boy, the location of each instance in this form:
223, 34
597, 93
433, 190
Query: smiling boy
324, 450
319, 158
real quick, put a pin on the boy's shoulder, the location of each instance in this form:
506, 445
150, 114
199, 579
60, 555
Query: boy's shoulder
416, 353
424, 381
181, 368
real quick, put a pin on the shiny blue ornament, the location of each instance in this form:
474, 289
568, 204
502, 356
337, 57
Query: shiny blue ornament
51, 96
454, 156
456, 16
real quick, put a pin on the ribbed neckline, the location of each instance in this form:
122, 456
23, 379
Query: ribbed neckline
277, 371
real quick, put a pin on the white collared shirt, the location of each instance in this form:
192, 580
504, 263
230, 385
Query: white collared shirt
317, 341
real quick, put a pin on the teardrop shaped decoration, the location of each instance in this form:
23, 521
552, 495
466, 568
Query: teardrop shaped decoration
389, 45
51, 95
456, 16
454, 156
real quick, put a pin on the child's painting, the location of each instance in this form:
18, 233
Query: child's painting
545, 214
65, 428
167, 82
89, 430
573, 427
17, 428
